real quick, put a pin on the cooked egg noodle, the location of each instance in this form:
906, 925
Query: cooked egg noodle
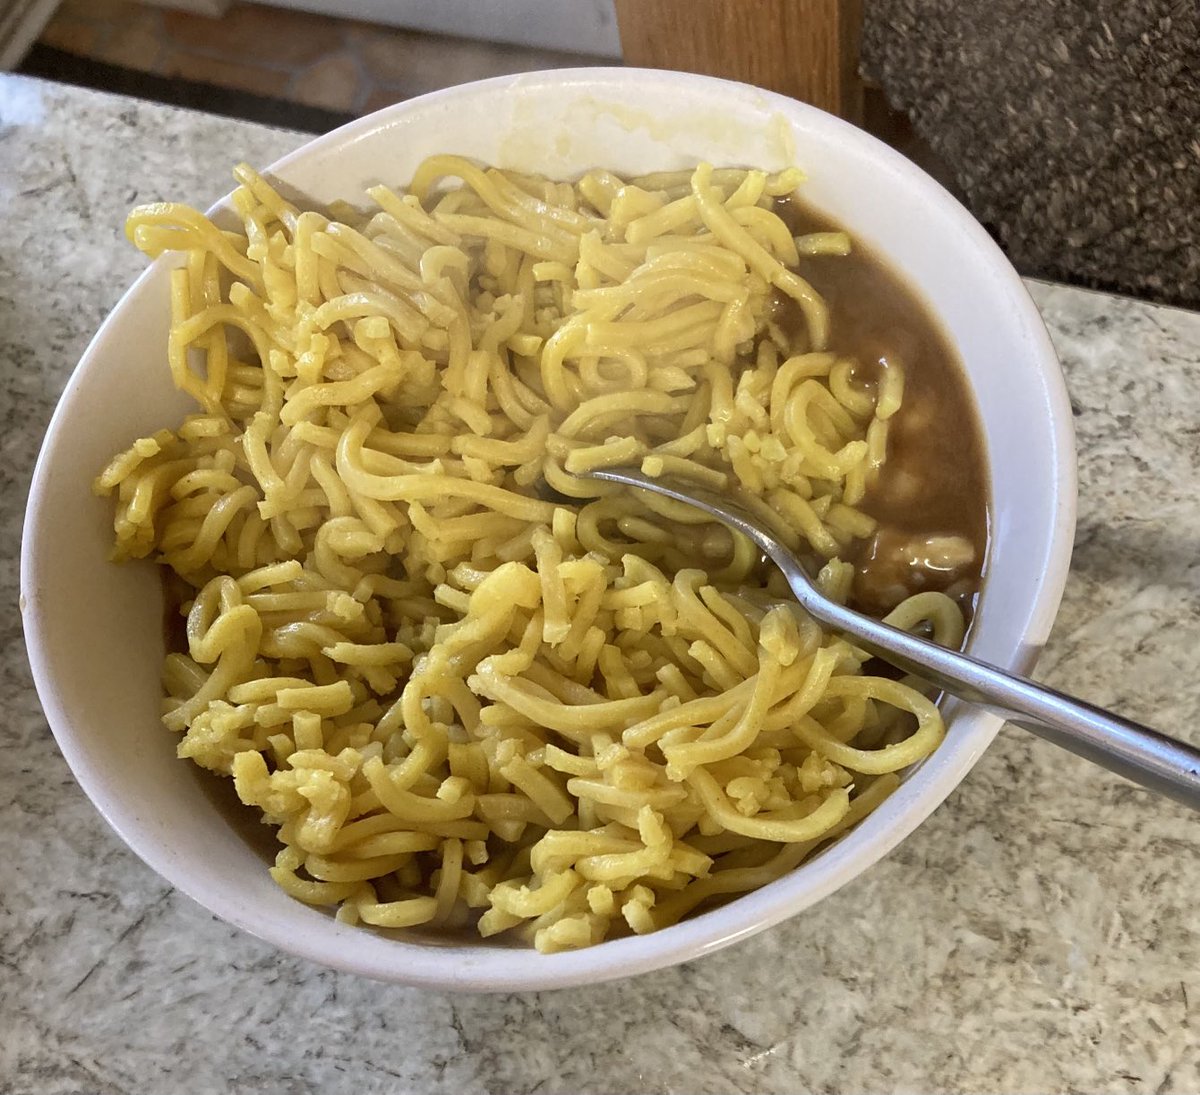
458, 700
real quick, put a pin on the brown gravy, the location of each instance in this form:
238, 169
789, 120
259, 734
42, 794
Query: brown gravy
934, 483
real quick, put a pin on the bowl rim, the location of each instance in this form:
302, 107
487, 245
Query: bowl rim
483, 968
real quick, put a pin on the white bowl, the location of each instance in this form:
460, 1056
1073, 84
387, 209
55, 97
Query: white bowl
94, 630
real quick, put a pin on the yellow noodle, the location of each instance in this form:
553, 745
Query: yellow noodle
447, 690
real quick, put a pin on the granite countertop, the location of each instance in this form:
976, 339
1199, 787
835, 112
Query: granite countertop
1038, 933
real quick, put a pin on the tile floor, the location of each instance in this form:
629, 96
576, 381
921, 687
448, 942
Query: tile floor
337, 65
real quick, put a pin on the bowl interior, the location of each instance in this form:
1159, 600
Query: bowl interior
94, 630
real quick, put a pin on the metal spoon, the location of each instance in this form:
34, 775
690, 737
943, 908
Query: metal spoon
1136, 752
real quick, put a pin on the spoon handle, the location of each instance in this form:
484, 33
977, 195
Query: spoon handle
1136, 752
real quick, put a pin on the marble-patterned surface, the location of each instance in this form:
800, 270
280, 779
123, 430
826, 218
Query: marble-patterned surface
1039, 933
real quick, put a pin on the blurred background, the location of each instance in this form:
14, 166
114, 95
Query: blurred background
1070, 128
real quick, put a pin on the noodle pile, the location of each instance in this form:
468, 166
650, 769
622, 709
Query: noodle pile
460, 698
